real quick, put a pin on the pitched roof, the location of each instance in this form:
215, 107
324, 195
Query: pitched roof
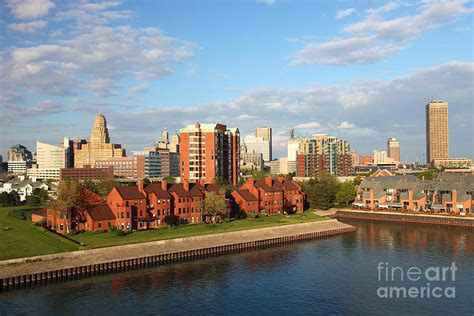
197, 189
179, 190
130, 192
156, 189
213, 187
246, 195
100, 212
261, 184
290, 185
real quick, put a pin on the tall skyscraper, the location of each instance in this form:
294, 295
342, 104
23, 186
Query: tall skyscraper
258, 145
266, 134
393, 149
98, 147
209, 151
437, 137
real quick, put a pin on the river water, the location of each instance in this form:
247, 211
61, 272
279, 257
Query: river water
343, 274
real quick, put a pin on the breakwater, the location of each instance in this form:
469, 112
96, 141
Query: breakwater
17, 273
409, 218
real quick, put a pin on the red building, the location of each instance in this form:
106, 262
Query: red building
129, 207
271, 196
365, 160
158, 203
186, 201
209, 151
87, 173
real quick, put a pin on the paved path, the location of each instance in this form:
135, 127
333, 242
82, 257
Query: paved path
329, 212
15, 267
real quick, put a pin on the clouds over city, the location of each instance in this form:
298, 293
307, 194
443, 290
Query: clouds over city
378, 35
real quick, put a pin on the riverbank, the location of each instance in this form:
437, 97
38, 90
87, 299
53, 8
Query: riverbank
449, 220
64, 266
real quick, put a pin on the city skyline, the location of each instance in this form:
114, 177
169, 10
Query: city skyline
194, 71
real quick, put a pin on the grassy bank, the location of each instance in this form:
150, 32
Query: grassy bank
105, 239
20, 238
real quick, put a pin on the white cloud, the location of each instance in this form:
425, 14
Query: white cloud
375, 37
243, 117
343, 13
29, 9
267, 2
310, 125
28, 27
346, 125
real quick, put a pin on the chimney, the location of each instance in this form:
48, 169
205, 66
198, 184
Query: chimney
164, 185
140, 186
201, 181
269, 181
280, 179
251, 181
186, 184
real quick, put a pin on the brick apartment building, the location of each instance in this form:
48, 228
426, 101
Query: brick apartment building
209, 151
448, 193
269, 196
143, 207
87, 173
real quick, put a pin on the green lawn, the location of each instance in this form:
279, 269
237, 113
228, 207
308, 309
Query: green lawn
21, 239
105, 239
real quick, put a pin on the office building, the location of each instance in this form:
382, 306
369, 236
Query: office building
437, 140
393, 149
381, 158
258, 145
208, 151
266, 134
98, 147
49, 161
19, 153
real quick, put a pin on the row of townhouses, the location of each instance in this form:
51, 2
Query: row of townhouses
448, 193
150, 206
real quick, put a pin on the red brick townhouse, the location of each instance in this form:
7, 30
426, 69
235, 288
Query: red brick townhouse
158, 203
186, 201
269, 196
129, 207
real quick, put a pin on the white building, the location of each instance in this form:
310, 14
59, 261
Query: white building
19, 167
23, 186
50, 159
380, 157
257, 145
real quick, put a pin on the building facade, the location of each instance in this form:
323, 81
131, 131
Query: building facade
209, 151
393, 149
124, 167
266, 133
98, 147
19, 153
437, 139
87, 173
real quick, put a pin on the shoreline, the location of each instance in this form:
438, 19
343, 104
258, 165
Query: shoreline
406, 217
21, 272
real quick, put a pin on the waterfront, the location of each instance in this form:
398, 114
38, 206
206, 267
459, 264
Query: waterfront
334, 275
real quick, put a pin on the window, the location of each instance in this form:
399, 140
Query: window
100, 225
141, 213
122, 215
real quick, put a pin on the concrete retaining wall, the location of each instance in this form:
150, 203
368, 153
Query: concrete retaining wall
18, 273
409, 218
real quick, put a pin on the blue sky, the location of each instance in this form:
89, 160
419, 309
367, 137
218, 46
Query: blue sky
360, 70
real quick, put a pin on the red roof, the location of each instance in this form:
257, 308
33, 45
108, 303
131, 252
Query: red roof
156, 189
100, 212
290, 185
213, 187
130, 193
179, 190
246, 195
197, 189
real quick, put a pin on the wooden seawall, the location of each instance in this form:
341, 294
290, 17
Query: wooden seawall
408, 218
18, 273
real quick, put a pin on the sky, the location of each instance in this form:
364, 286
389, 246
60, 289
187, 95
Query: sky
361, 70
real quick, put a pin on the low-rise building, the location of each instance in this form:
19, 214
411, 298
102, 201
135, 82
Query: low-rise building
449, 193
87, 173
23, 186
454, 163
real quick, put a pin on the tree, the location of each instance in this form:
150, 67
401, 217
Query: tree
321, 192
9, 199
67, 198
105, 186
346, 193
170, 179
146, 181
88, 184
215, 204
291, 175
257, 175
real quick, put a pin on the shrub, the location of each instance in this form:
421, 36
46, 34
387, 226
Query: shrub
120, 233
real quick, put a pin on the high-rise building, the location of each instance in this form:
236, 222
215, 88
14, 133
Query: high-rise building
49, 161
354, 158
393, 149
98, 147
323, 154
380, 157
266, 133
209, 151
174, 143
19, 153
437, 139
258, 145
